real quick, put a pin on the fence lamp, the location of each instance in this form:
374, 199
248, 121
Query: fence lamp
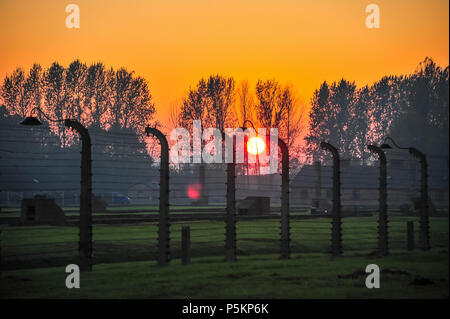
85, 239
424, 214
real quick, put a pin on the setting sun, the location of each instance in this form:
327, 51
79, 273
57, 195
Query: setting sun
256, 145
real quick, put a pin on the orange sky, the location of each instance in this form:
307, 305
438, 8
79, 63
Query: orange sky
173, 43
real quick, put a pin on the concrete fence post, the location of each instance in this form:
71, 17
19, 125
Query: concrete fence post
164, 224
336, 232
85, 225
185, 245
230, 220
285, 249
318, 185
202, 178
383, 249
1, 259
424, 211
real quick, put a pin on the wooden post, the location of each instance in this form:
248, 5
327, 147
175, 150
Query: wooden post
185, 245
410, 235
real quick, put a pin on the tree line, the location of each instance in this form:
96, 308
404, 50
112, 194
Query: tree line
98, 97
412, 109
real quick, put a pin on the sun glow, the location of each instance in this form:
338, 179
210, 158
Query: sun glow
256, 145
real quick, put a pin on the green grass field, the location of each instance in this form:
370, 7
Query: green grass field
34, 260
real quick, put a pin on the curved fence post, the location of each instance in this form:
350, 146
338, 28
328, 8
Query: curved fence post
230, 239
336, 234
383, 248
85, 240
424, 213
164, 224
285, 250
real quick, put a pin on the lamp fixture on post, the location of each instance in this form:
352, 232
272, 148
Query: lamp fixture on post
30, 121
387, 146
424, 214
85, 239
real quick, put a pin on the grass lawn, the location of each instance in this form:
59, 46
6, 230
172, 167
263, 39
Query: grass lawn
412, 275
34, 259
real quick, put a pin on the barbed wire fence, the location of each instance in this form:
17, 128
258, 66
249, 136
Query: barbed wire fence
126, 185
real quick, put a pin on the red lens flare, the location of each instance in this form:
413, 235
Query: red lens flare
194, 191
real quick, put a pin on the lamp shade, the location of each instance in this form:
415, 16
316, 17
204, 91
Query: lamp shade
30, 121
